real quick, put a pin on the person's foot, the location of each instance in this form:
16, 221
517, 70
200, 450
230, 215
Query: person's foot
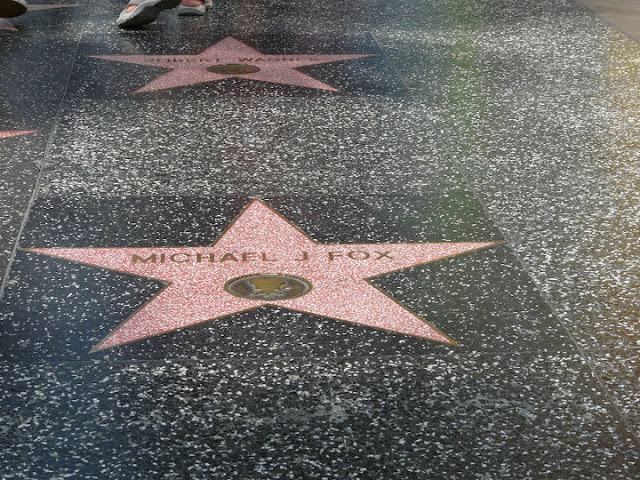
194, 7
12, 8
142, 12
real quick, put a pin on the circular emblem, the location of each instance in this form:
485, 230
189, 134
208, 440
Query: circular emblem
233, 69
268, 287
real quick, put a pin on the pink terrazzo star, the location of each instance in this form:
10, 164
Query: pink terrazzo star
15, 133
5, 24
260, 242
230, 58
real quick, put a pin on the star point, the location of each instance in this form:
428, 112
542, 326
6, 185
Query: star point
15, 133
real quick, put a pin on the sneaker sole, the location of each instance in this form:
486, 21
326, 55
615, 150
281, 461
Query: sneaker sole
12, 9
146, 13
191, 11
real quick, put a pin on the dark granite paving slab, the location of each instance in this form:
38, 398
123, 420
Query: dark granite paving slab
25, 127
95, 76
36, 58
36, 55
58, 309
229, 146
452, 416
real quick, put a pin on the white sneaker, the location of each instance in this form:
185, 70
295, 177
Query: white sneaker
12, 8
195, 10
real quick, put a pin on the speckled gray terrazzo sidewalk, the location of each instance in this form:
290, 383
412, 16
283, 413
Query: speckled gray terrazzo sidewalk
472, 121
321, 419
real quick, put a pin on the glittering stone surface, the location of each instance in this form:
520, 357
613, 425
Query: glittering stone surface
23, 140
8, 25
349, 418
14, 133
474, 121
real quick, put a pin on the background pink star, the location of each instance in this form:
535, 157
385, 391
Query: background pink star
194, 69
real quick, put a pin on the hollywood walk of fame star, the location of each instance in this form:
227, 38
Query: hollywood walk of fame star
15, 133
276, 264
5, 24
230, 58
